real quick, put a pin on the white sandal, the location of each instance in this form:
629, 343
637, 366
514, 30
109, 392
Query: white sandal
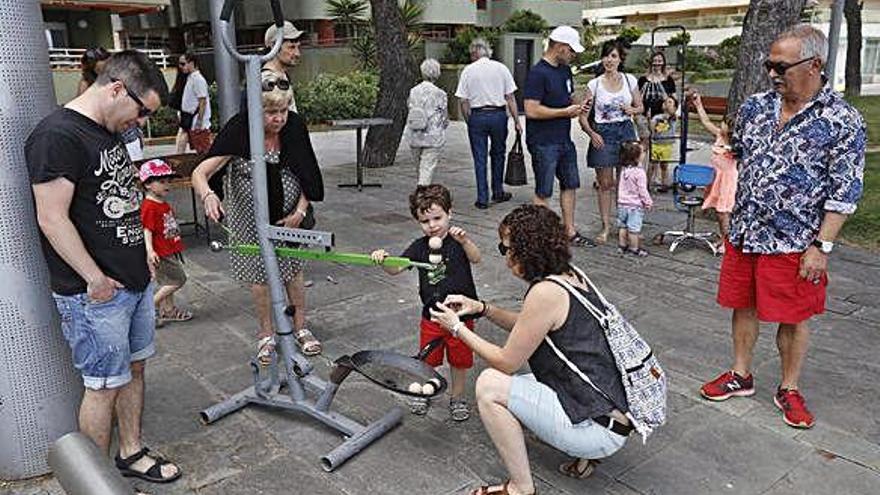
265, 350
308, 343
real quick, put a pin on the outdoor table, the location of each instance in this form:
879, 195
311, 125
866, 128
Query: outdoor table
359, 125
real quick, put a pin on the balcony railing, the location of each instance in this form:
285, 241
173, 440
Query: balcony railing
69, 58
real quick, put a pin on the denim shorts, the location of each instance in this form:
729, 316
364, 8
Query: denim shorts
613, 134
630, 218
537, 407
107, 337
557, 160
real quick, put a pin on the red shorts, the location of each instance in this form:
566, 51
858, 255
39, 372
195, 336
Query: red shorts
458, 354
771, 284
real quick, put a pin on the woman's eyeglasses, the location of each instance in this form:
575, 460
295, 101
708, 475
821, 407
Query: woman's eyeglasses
282, 84
503, 249
143, 111
780, 67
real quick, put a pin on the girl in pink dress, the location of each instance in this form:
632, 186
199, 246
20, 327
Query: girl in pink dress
721, 194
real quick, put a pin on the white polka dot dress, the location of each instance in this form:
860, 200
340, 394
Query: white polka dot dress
239, 205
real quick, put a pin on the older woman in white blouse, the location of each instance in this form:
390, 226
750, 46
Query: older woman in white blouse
427, 121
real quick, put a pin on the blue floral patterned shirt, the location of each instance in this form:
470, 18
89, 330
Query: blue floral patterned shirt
790, 177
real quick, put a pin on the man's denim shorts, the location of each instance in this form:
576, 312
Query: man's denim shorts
107, 337
557, 160
537, 407
630, 218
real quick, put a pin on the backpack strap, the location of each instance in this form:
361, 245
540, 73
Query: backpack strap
577, 370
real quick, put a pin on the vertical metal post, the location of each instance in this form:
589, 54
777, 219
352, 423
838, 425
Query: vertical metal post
39, 388
833, 41
225, 66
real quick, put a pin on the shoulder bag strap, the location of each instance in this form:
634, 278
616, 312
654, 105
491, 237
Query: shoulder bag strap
577, 370
596, 312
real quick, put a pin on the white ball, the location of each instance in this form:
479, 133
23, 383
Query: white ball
415, 388
435, 243
435, 382
435, 259
428, 389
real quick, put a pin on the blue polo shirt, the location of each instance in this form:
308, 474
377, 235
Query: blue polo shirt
552, 87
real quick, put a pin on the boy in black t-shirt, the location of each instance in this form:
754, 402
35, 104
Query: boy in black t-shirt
431, 206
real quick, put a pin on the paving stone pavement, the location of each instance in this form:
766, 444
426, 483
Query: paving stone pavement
736, 447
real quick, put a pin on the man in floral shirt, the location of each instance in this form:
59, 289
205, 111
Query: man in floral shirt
802, 152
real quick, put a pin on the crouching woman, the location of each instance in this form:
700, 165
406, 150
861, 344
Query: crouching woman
553, 401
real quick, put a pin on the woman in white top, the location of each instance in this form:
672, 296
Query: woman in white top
427, 121
616, 98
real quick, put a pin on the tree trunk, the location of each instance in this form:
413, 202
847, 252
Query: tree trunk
852, 9
397, 74
765, 20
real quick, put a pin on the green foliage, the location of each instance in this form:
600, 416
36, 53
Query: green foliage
332, 96
352, 14
679, 39
863, 227
728, 51
364, 48
458, 50
629, 34
525, 21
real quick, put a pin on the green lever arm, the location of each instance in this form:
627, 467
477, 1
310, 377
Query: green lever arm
346, 258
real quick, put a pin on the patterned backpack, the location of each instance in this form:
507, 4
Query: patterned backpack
644, 381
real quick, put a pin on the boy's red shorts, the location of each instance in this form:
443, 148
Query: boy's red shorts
458, 354
771, 284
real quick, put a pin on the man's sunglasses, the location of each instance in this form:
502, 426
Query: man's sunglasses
503, 249
781, 67
282, 84
143, 111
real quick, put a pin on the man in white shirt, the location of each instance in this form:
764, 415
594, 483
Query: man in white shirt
485, 92
195, 104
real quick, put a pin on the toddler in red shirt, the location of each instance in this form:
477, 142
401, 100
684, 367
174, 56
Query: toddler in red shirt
162, 238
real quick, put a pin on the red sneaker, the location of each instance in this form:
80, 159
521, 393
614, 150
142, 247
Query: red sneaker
794, 408
728, 385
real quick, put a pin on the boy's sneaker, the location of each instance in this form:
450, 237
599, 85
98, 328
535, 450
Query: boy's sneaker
728, 385
794, 408
419, 406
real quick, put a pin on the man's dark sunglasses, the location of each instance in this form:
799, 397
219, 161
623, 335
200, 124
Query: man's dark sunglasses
282, 84
503, 249
143, 111
781, 67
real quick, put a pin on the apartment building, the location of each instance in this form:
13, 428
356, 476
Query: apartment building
711, 21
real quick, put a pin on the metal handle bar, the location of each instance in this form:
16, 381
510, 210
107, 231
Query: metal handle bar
225, 16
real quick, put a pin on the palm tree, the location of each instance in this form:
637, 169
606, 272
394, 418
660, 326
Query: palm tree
348, 13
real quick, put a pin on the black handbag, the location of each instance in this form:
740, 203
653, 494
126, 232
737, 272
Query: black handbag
308, 221
515, 175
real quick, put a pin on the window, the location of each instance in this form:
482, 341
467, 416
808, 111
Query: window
871, 57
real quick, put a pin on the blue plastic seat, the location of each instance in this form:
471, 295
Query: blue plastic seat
689, 183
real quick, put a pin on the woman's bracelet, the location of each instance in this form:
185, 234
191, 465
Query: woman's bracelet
457, 328
301, 212
485, 310
208, 195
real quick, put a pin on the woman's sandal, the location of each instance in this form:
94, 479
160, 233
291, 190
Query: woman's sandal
641, 253
495, 490
580, 241
153, 474
575, 468
176, 314
601, 237
309, 345
265, 350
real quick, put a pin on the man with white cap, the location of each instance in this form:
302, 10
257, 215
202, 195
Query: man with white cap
485, 93
549, 109
289, 54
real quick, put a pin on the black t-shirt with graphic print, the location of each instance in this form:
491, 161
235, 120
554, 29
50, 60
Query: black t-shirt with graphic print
105, 208
453, 276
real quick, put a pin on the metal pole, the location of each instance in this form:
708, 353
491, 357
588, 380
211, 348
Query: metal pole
82, 469
39, 388
833, 41
225, 66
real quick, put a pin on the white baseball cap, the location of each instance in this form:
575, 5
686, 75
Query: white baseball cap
569, 36
289, 31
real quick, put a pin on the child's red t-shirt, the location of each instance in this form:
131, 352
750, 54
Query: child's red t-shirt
159, 220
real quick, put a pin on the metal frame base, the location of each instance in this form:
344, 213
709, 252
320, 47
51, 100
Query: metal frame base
688, 234
267, 391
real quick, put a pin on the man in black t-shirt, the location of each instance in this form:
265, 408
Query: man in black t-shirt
88, 209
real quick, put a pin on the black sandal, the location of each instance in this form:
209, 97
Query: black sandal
580, 241
153, 474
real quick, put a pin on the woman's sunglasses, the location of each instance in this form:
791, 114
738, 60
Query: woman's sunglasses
503, 249
781, 67
282, 84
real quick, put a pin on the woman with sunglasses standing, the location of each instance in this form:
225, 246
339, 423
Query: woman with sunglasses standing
293, 180
655, 86
92, 63
552, 401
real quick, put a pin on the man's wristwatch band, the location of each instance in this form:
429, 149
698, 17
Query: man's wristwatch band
825, 247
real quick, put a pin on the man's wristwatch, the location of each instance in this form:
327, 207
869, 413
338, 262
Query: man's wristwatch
825, 247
